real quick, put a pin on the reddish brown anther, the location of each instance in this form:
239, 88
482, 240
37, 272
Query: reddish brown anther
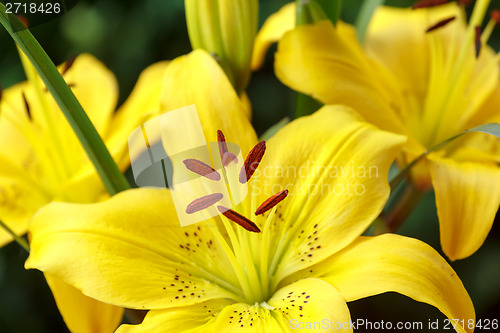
428, 3
27, 106
238, 219
228, 158
464, 3
203, 202
477, 40
271, 202
440, 24
495, 16
68, 64
252, 161
225, 155
24, 20
201, 168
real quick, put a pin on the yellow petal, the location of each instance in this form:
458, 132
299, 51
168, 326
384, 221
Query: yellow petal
290, 308
143, 103
328, 64
194, 318
105, 249
396, 38
83, 314
95, 87
20, 198
375, 265
467, 199
335, 167
197, 79
273, 29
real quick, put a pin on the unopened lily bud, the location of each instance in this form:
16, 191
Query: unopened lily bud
226, 29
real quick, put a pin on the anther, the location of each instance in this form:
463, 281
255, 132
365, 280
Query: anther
203, 202
440, 24
252, 161
225, 155
495, 16
238, 219
477, 40
271, 202
201, 168
68, 64
464, 3
428, 3
27, 106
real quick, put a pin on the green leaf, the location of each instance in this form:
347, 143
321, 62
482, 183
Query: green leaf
113, 179
332, 9
491, 128
364, 16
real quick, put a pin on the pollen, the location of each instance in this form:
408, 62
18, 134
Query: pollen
201, 169
239, 219
252, 161
271, 202
428, 3
203, 202
440, 24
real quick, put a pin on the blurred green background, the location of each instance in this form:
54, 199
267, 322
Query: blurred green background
130, 35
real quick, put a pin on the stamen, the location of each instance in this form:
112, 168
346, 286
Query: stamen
428, 3
495, 16
228, 158
271, 202
225, 155
252, 161
203, 202
440, 24
464, 3
28, 111
201, 168
477, 40
238, 219
68, 64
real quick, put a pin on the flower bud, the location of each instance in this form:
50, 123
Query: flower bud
225, 28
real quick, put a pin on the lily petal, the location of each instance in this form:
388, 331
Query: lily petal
467, 199
20, 198
328, 64
143, 102
308, 300
197, 79
83, 314
335, 167
194, 318
134, 236
273, 29
375, 265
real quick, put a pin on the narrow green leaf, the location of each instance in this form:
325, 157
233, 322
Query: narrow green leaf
113, 179
491, 128
364, 16
332, 9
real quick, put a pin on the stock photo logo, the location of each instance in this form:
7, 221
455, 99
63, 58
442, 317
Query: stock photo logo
172, 152
35, 12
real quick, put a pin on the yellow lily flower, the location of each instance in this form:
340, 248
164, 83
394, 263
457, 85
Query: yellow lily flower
42, 161
428, 86
304, 257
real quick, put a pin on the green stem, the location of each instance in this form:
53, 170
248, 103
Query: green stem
400, 211
113, 179
364, 17
21, 241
